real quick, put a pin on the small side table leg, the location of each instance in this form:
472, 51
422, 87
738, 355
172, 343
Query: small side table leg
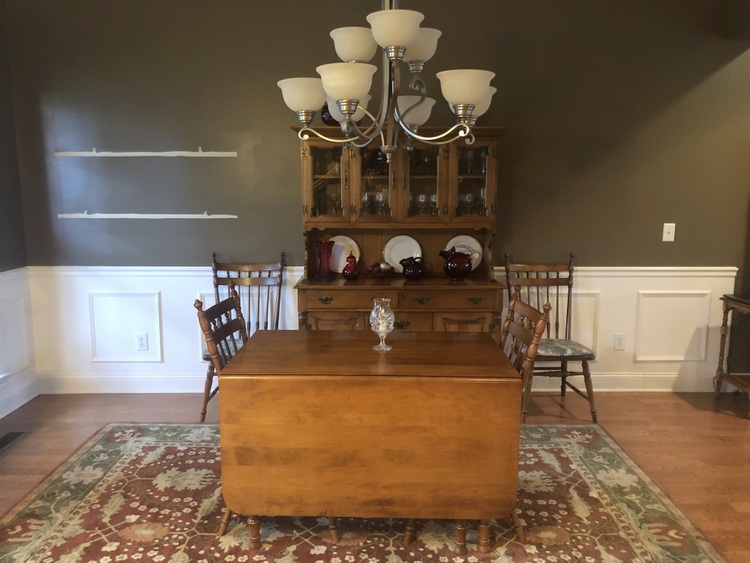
484, 536
722, 348
461, 527
253, 523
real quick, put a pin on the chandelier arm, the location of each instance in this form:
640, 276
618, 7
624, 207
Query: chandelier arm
305, 132
461, 130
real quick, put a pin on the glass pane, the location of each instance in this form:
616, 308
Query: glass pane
472, 181
327, 185
375, 176
423, 184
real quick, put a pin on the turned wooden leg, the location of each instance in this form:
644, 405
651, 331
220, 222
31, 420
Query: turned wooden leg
253, 523
484, 536
409, 534
589, 388
519, 528
225, 519
461, 527
334, 531
207, 390
722, 349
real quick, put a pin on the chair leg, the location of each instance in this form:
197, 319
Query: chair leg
207, 390
589, 389
409, 534
518, 527
461, 527
224, 524
484, 536
332, 528
563, 378
525, 395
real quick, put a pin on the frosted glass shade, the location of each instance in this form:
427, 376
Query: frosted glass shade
424, 47
465, 86
395, 28
302, 94
420, 114
482, 107
333, 109
346, 81
354, 44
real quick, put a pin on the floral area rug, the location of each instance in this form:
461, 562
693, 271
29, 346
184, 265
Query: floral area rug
153, 493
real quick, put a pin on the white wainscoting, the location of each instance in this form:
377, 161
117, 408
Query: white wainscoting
670, 317
18, 381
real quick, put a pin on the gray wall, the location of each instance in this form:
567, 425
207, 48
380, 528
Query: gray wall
621, 116
12, 240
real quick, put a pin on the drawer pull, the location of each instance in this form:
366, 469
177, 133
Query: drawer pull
401, 325
325, 300
474, 300
421, 300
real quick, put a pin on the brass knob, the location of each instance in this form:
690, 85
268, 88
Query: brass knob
401, 325
474, 300
421, 300
325, 300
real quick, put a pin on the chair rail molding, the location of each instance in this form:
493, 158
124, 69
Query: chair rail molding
608, 300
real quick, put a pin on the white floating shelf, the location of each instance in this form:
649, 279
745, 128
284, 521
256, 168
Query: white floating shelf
200, 153
87, 215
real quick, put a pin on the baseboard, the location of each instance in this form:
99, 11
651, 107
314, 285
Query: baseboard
143, 383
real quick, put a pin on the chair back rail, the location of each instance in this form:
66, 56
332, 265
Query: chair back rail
539, 284
522, 332
260, 289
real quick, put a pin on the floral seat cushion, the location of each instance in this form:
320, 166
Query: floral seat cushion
561, 348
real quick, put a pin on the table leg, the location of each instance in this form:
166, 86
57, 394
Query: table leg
332, 528
253, 523
484, 536
722, 348
461, 527
409, 534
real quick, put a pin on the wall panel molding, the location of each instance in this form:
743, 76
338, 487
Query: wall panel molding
606, 300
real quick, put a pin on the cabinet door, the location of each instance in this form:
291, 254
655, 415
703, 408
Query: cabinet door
472, 182
374, 193
325, 183
423, 179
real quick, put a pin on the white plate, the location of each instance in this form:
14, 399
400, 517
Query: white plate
398, 248
342, 246
467, 245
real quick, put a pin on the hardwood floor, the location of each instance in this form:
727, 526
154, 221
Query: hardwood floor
695, 448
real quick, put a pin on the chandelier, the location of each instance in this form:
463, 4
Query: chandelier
344, 86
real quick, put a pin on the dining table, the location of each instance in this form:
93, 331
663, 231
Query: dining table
318, 423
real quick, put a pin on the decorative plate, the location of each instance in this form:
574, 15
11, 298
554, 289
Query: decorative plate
342, 246
398, 248
467, 245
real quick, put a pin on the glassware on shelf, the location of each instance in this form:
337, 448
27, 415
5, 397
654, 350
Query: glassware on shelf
380, 201
323, 250
466, 203
434, 204
421, 203
381, 321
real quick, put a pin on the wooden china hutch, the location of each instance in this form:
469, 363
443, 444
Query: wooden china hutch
428, 196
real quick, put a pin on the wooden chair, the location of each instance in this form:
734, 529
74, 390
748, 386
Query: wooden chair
225, 331
259, 289
553, 284
521, 334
